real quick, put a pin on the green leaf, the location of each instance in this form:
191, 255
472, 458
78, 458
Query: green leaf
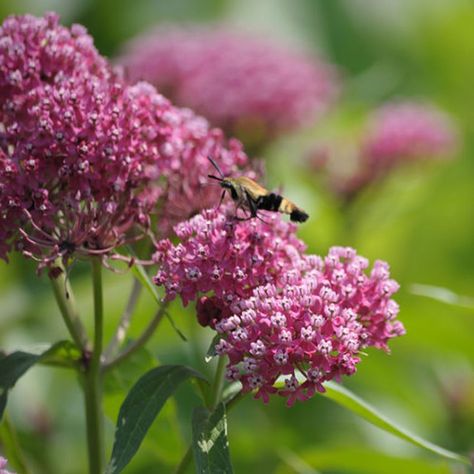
352, 402
210, 444
142, 276
122, 377
62, 354
358, 459
141, 407
211, 352
16, 364
176, 328
3, 402
442, 294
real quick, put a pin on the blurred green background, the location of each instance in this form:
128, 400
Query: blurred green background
421, 220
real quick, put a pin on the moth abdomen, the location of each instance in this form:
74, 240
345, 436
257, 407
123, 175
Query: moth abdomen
269, 202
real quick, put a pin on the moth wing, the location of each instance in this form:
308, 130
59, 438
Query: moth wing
253, 189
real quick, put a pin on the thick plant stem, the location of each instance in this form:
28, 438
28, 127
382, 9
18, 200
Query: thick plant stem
92, 381
67, 305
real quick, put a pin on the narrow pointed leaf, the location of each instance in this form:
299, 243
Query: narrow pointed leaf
141, 407
443, 294
142, 276
3, 401
210, 444
13, 366
352, 402
211, 352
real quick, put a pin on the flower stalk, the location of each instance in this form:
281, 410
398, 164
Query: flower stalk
67, 305
93, 380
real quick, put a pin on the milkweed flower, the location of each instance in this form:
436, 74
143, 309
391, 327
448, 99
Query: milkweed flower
248, 86
228, 257
3, 463
85, 157
280, 313
406, 131
76, 142
312, 330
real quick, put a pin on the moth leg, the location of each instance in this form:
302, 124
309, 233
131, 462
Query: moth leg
237, 218
252, 205
221, 199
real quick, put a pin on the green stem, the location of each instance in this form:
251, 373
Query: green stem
141, 341
124, 322
92, 381
67, 306
218, 384
12, 448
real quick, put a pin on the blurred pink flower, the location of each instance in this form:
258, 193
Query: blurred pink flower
392, 135
248, 86
401, 131
279, 312
3, 463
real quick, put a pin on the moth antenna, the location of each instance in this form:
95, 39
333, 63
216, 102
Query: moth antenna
216, 167
215, 177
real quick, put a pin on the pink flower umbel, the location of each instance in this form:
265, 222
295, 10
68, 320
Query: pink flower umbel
3, 463
248, 86
84, 157
406, 131
75, 143
280, 313
311, 330
218, 254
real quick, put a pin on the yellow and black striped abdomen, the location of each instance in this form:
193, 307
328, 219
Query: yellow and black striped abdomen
277, 203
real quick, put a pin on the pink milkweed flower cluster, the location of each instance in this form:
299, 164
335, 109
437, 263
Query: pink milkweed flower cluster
84, 156
220, 254
3, 463
281, 314
404, 131
396, 133
246, 85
